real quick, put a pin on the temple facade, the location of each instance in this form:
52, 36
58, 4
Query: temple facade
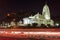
43, 18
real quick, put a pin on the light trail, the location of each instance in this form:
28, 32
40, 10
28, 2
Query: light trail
28, 33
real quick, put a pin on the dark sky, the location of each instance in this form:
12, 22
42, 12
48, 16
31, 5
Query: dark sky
37, 5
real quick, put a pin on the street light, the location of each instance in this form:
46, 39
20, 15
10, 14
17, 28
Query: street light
8, 14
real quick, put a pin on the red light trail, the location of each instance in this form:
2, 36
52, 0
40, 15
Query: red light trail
25, 33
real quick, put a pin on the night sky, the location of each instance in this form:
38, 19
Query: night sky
8, 6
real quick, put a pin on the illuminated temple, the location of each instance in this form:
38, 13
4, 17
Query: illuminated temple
38, 19
43, 18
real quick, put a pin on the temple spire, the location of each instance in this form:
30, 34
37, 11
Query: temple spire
46, 3
46, 11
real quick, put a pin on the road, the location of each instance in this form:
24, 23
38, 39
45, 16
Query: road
45, 33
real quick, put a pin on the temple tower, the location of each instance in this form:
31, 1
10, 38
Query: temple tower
46, 12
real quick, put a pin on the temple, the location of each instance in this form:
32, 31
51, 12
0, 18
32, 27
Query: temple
43, 18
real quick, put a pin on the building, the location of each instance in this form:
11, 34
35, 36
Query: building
43, 18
